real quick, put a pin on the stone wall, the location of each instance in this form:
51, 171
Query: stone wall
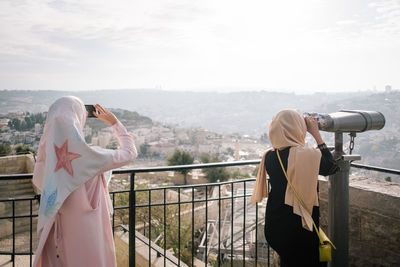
17, 189
16, 164
374, 221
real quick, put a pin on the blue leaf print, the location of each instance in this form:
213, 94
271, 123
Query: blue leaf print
51, 199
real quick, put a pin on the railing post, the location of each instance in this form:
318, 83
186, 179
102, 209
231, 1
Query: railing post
132, 220
338, 207
30, 234
13, 233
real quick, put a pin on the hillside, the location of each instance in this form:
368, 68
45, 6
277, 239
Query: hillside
241, 112
246, 112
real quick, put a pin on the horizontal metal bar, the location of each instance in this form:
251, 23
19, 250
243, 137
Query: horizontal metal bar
373, 168
22, 176
10, 199
121, 207
15, 253
119, 192
191, 167
153, 169
18, 216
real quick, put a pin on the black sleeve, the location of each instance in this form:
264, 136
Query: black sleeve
328, 165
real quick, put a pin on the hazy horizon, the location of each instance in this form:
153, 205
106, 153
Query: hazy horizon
211, 90
176, 45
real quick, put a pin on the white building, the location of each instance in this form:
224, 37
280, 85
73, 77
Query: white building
38, 128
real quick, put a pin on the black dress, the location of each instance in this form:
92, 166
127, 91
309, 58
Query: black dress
295, 245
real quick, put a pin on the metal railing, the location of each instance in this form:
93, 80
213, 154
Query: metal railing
235, 245
13, 217
164, 203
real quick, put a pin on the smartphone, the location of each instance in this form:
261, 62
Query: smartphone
90, 109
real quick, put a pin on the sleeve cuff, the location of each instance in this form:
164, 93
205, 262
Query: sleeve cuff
322, 146
118, 128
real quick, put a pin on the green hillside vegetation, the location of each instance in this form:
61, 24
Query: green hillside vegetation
28, 123
130, 119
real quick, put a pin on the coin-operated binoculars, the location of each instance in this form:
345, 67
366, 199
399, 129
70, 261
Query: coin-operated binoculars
350, 121
344, 121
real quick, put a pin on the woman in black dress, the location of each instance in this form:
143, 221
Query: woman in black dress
288, 226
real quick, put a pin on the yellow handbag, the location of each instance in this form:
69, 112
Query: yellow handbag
325, 244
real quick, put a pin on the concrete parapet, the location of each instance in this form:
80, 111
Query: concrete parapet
374, 221
17, 189
16, 164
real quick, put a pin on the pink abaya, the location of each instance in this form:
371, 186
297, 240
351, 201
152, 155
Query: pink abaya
80, 233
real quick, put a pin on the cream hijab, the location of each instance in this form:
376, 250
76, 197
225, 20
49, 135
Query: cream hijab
64, 160
288, 129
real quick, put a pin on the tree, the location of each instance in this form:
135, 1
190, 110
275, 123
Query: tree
28, 122
255, 172
144, 150
15, 124
24, 149
5, 149
237, 174
180, 158
264, 138
230, 151
214, 174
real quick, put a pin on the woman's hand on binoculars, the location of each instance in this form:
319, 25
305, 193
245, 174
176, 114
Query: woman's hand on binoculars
105, 115
312, 128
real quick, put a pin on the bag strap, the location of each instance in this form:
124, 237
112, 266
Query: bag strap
320, 235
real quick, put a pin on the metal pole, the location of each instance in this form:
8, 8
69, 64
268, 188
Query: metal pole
338, 208
132, 221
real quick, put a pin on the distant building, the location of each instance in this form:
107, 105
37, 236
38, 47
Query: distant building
163, 149
4, 122
104, 139
87, 131
388, 88
38, 128
237, 150
95, 141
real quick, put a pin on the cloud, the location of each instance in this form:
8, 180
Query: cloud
179, 42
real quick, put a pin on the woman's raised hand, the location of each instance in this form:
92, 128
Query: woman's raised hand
105, 115
312, 128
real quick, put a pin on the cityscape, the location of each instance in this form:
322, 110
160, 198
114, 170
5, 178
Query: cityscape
203, 89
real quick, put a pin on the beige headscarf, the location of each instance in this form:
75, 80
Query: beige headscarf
288, 129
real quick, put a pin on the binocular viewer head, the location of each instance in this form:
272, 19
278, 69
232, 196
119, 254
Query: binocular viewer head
349, 121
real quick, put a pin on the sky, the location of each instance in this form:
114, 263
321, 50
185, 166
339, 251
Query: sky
225, 45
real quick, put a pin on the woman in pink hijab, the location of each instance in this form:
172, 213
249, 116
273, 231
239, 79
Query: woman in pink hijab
288, 224
74, 214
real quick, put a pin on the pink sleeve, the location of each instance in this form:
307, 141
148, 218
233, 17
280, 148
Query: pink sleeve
127, 151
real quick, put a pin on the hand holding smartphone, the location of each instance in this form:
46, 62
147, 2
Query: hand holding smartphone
97, 111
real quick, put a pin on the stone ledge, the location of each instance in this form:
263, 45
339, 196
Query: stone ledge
374, 221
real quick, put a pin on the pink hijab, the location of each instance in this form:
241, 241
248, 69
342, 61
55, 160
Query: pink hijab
288, 129
64, 160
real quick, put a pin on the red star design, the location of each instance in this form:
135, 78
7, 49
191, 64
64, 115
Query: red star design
64, 158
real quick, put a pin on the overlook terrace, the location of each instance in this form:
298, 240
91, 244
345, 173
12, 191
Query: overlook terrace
240, 240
